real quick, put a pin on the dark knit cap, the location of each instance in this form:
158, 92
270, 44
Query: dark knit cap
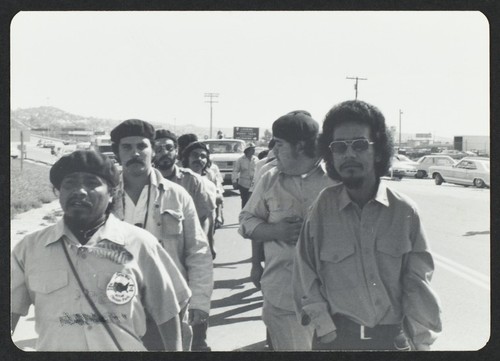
194, 145
164, 133
87, 161
295, 126
185, 139
133, 128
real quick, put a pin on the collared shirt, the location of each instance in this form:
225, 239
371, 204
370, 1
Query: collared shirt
262, 167
244, 170
172, 218
195, 186
277, 196
372, 265
64, 320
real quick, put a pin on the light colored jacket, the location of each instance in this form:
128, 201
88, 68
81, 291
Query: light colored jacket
172, 218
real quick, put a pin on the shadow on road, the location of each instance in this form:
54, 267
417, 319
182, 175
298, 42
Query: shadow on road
240, 298
220, 265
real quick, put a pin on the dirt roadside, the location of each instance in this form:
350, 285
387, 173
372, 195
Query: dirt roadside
34, 220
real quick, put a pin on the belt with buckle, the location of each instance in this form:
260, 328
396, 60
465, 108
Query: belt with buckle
346, 325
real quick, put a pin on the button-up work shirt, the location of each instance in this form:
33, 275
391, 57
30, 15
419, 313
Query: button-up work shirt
171, 217
244, 170
64, 320
195, 186
372, 265
277, 196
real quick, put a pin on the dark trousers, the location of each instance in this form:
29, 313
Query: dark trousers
200, 337
245, 195
351, 336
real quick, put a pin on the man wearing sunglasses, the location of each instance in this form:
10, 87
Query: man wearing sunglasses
166, 210
363, 266
273, 217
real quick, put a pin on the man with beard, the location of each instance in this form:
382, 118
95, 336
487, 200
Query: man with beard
91, 277
274, 215
165, 146
363, 265
213, 173
166, 210
196, 157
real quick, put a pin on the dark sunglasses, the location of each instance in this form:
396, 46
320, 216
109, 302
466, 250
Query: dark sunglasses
358, 145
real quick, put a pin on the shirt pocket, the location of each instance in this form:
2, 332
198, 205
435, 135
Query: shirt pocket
47, 282
279, 208
390, 253
51, 293
171, 224
339, 268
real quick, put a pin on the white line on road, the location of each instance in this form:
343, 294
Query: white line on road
467, 273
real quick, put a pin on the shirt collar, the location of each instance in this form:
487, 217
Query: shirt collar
318, 166
380, 196
111, 230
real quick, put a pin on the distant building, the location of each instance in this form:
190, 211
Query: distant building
473, 143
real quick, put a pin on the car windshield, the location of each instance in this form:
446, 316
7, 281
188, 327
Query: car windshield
225, 147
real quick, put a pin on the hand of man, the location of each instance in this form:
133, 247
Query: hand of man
256, 274
288, 229
329, 337
197, 317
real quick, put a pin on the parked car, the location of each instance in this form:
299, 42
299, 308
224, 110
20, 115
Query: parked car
455, 154
430, 160
469, 171
402, 166
224, 152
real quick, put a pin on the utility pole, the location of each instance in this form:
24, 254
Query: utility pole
211, 100
356, 84
400, 112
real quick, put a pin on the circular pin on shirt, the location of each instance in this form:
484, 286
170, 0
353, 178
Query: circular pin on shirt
121, 289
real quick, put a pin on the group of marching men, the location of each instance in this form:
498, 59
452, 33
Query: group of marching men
342, 260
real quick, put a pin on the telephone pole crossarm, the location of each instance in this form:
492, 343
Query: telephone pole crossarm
356, 84
211, 97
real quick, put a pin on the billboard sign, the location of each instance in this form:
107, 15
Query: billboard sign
246, 133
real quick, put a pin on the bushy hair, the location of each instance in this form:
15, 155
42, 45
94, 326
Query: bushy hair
363, 113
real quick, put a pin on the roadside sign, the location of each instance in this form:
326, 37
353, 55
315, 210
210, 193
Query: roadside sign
246, 133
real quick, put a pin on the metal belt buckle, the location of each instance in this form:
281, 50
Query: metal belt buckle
362, 333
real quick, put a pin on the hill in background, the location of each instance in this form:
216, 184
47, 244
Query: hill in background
57, 119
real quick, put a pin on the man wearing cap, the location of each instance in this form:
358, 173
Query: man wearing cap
243, 172
213, 173
87, 275
196, 157
166, 210
274, 215
166, 148
363, 265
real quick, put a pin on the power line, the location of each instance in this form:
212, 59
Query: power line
211, 97
356, 84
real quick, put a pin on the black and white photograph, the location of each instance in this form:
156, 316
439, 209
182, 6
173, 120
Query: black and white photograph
250, 181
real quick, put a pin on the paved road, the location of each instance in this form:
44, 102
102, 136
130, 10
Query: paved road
456, 220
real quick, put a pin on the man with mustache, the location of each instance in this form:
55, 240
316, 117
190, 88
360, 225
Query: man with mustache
196, 157
87, 275
363, 265
166, 210
166, 152
273, 216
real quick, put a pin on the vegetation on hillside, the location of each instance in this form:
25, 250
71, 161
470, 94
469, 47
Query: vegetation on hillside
29, 188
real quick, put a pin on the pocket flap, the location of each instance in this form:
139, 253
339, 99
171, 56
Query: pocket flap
337, 254
178, 215
393, 247
48, 281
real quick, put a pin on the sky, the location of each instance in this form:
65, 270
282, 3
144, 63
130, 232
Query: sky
157, 66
